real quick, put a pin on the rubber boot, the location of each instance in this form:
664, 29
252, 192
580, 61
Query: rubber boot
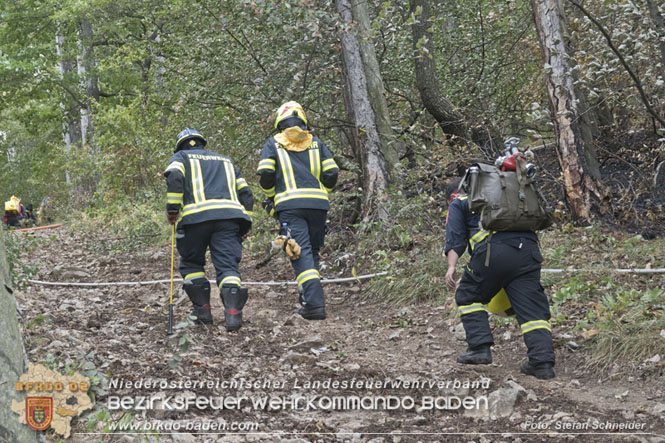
542, 371
482, 355
199, 294
234, 299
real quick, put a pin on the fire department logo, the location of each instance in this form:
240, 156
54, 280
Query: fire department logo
52, 400
39, 412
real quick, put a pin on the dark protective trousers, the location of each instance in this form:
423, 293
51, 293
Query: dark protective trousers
13, 220
515, 266
308, 228
223, 238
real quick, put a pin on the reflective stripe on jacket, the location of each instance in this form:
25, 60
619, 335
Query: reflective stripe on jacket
204, 186
297, 179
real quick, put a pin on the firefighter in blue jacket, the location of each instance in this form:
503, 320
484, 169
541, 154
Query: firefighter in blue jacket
514, 265
211, 204
297, 173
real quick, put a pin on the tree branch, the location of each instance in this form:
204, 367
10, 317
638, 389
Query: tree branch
623, 61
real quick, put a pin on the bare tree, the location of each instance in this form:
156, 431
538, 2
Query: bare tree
564, 105
367, 143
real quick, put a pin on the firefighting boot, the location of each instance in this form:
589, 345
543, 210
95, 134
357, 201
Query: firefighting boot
317, 313
307, 311
542, 371
482, 355
234, 299
199, 293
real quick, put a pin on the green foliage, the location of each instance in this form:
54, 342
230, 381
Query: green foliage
17, 244
639, 253
123, 224
624, 325
155, 76
577, 291
598, 237
181, 340
601, 76
617, 321
578, 288
39, 320
98, 382
264, 229
409, 245
136, 151
422, 280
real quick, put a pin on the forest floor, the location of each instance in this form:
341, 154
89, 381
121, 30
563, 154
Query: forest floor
121, 331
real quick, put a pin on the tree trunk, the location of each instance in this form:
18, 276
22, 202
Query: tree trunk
71, 121
659, 26
449, 119
375, 176
375, 87
86, 65
587, 116
453, 123
563, 100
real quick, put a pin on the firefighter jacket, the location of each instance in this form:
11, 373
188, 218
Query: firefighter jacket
463, 229
297, 179
205, 186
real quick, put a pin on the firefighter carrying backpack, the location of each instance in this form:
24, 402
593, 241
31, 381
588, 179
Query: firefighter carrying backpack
12, 206
506, 200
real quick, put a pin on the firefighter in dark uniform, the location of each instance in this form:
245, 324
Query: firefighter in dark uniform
211, 204
514, 265
30, 218
297, 173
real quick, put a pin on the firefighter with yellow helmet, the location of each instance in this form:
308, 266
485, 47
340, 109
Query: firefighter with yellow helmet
211, 204
297, 171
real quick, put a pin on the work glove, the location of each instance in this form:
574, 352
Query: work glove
289, 245
269, 205
172, 216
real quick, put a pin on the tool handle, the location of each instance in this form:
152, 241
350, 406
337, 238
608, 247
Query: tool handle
172, 254
170, 332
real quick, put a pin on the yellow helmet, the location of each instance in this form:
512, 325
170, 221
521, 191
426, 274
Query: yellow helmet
290, 109
500, 305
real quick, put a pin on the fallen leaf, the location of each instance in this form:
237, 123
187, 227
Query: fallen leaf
588, 333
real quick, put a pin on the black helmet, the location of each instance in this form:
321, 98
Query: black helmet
188, 134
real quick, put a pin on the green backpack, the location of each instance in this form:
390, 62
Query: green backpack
506, 201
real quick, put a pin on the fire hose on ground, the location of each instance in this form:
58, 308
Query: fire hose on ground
332, 280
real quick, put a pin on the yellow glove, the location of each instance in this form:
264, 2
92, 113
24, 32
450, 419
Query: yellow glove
292, 248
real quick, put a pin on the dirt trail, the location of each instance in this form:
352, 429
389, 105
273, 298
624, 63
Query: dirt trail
122, 331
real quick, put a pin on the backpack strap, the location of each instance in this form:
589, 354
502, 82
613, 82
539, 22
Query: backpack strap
489, 248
